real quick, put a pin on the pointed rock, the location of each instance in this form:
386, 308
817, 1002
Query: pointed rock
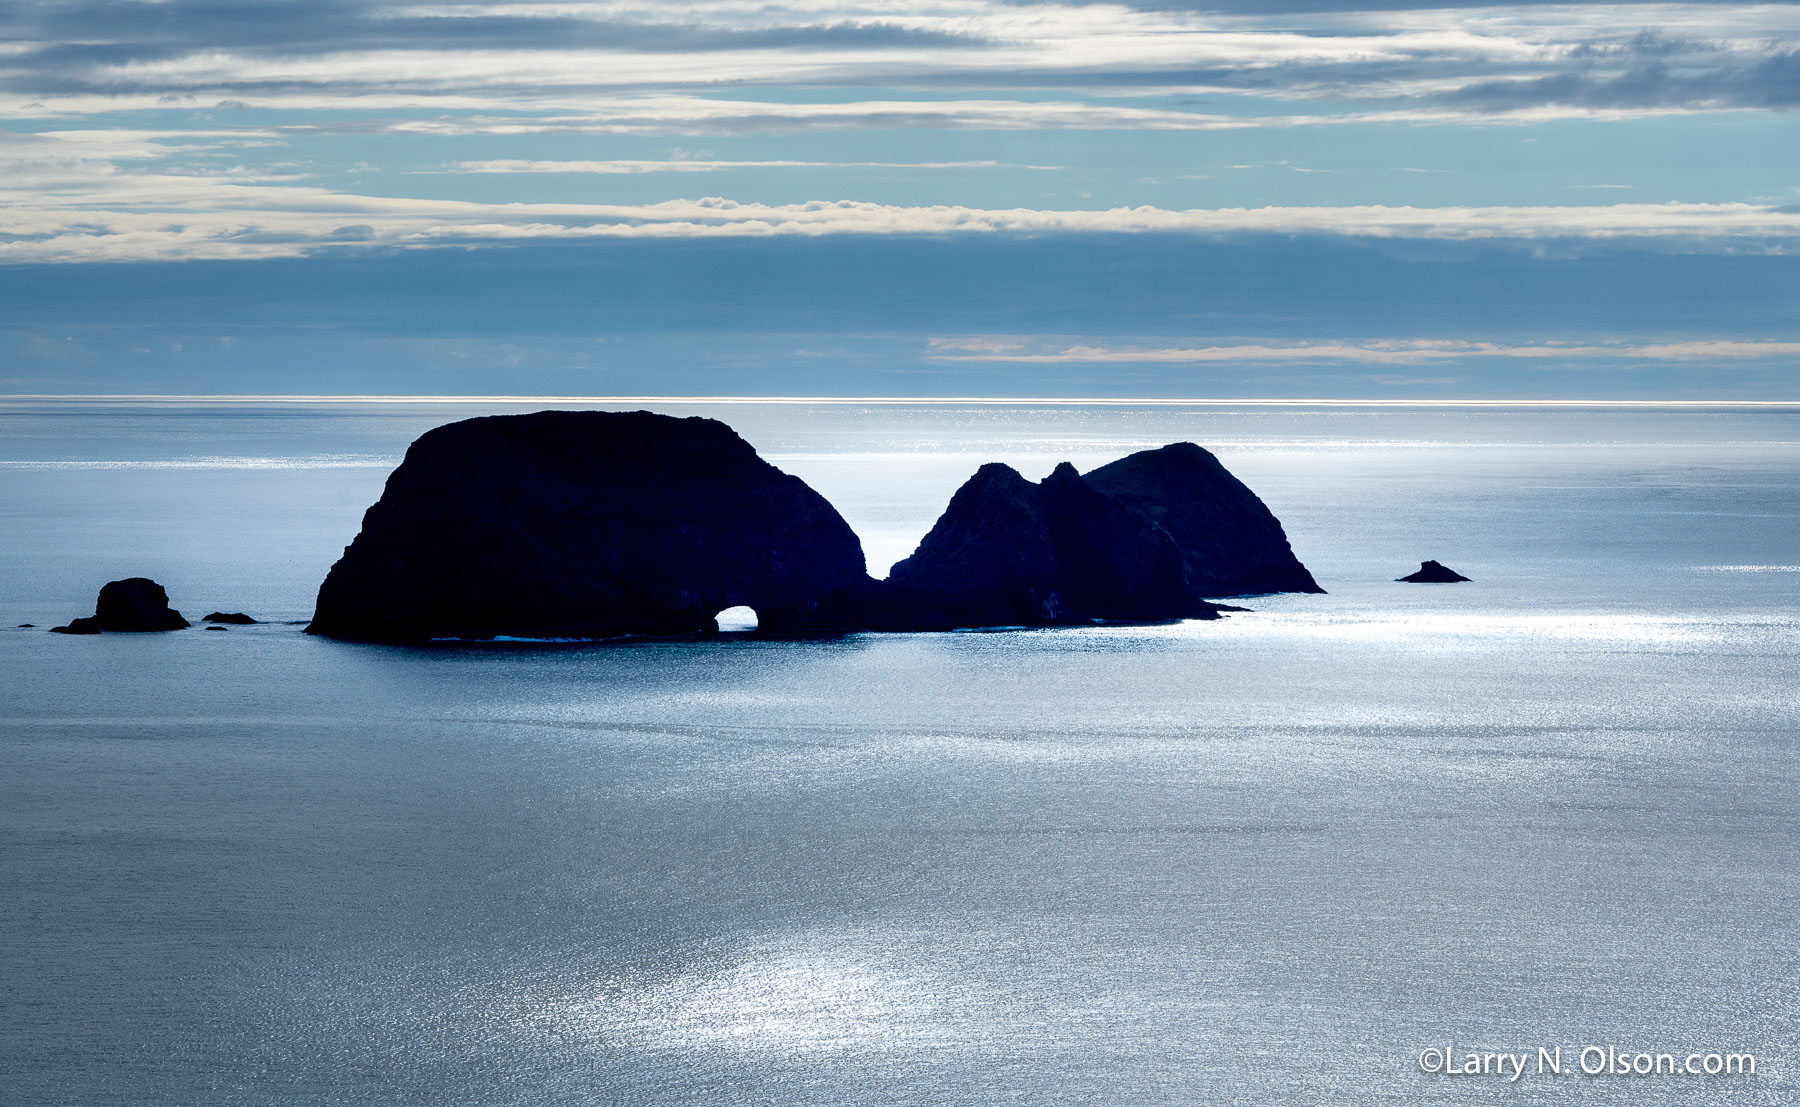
1432, 572
1008, 552
1112, 562
989, 560
1230, 543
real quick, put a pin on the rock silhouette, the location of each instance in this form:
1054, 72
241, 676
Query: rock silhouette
1008, 552
605, 524
1432, 572
590, 524
133, 604
236, 618
1230, 543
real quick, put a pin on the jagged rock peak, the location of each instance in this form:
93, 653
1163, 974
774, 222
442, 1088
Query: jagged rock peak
1008, 552
989, 560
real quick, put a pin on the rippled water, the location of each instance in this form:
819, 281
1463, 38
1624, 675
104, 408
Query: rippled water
1262, 860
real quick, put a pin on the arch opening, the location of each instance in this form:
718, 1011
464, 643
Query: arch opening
737, 620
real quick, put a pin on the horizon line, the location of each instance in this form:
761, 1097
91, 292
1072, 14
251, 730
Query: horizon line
1018, 401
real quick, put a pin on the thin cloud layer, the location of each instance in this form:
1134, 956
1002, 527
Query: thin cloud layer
76, 196
619, 167
64, 56
59, 208
159, 129
1159, 196
1397, 352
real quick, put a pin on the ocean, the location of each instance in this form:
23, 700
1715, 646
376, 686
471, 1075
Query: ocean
1273, 859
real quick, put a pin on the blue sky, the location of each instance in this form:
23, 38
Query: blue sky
968, 197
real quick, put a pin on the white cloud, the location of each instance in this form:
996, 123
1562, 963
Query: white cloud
413, 57
64, 197
453, 113
704, 165
137, 216
1397, 352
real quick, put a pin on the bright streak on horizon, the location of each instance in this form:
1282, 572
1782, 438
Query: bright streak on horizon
918, 401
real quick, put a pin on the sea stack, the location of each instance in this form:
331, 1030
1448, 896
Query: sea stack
1008, 552
565, 524
1432, 572
1230, 542
134, 604
582, 525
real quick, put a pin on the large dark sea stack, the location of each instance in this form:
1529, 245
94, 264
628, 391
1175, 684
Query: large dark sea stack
1008, 552
590, 524
132, 604
1231, 544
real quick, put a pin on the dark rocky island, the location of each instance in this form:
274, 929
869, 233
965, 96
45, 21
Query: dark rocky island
603, 524
235, 618
1432, 572
1008, 552
590, 524
133, 604
1230, 543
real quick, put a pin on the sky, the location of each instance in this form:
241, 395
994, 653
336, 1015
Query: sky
1380, 199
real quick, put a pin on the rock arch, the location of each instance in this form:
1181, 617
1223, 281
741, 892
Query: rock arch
738, 619
589, 524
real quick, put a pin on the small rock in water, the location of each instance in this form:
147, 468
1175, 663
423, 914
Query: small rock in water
26, 626
237, 618
218, 628
1433, 572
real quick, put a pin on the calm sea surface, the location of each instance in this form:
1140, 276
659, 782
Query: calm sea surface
1266, 860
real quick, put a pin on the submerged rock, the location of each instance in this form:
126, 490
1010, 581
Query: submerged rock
1432, 572
590, 524
133, 604
1230, 542
1008, 552
236, 618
